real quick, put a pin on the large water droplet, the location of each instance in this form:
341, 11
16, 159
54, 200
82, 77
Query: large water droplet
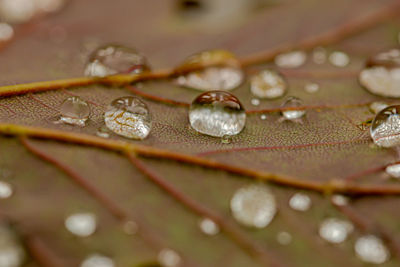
98, 260
293, 114
74, 111
129, 117
293, 59
253, 206
209, 227
6, 32
6, 190
268, 84
225, 74
284, 238
385, 128
81, 224
300, 202
335, 230
12, 253
393, 170
217, 113
114, 59
339, 59
371, 249
169, 258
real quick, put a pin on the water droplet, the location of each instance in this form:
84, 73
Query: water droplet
226, 139
16, 11
217, 113
255, 102
393, 170
293, 102
97, 260
319, 55
6, 32
103, 132
169, 258
385, 128
293, 59
227, 75
209, 227
335, 230
114, 59
340, 200
371, 249
74, 111
253, 206
284, 238
389, 58
300, 202
268, 84
130, 227
311, 88
12, 253
81, 224
6, 190
263, 117
339, 59
377, 107
129, 117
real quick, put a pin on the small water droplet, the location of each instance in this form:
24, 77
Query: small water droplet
226, 139
340, 200
371, 249
268, 84
209, 227
255, 102
393, 170
263, 117
311, 88
293, 102
81, 224
376, 107
115, 59
385, 128
129, 117
6, 190
74, 111
103, 132
6, 32
284, 238
16, 11
253, 206
217, 113
130, 227
12, 253
169, 258
97, 260
335, 230
300, 202
339, 59
319, 55
293, 59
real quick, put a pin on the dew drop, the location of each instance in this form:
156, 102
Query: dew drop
130, 227
81, 224
12, 253
319, 55
263, 117
284, 238
393, 170
376, 107
371, 249
97, 260
293, 59
255, 102
217, 113
115, 59
268, 84
225, 74
311, 88
6, 190
129, 117
103, 132
385, 128
209, 227
293, 102
16, 11
169, 258
253, 206
226, 139
335, 230
340, 200
74, 111
339, 59
6, 32
300, 202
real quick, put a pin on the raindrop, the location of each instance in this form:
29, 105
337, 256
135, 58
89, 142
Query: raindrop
103, 132
217, 113
129, 117
293, 59
311, 88
263, 117
284, 238
268, 84
224, 74
319, 55
130, 227
209, 227
293, 115
6, 190
377, 107
6, 32
385, 128
226, 139
169, 258
340, 200
393, 170
339, 59
81, 224
371, 249
253, 206
255, 102
97, 260
74, 111
335, 230
114, 59
300, 202
16, 11
12, 253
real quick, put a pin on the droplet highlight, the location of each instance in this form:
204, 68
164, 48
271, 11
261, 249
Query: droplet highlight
75, 111
311, 88
340, 200
300, 202
339, 59
6, 190
81, 224
169, 258
268, 84
335, 230
284, 238
393, 170
385, 128
371, 249
255, 102
98, 260
293, 59
209, 227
